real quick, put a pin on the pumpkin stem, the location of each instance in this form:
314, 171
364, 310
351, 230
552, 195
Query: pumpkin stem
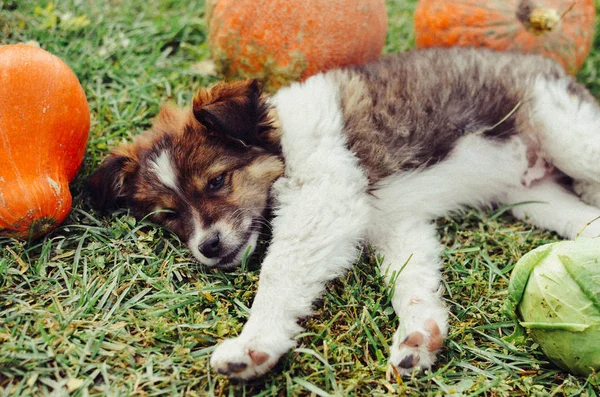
539, 20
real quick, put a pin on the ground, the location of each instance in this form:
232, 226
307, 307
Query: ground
106, 305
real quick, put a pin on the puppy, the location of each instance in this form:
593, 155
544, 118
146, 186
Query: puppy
365, 155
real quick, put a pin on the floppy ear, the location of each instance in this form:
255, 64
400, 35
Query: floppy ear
236, 111
108, 185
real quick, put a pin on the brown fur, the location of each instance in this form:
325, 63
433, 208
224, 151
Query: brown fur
236, 111
194, 140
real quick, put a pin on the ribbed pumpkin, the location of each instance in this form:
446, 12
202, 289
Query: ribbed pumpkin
279, 41
560, 29
44, 126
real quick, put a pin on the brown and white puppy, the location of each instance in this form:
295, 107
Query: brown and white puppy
365, 155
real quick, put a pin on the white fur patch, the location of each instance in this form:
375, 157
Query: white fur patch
312, 123
164, 170
478, 172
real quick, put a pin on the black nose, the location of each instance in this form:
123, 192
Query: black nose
211, 247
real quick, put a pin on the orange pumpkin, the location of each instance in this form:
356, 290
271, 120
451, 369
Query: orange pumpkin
560, 29
44, 126
279, 41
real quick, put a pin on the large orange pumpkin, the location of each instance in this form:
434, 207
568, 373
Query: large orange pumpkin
44, 126
279, 41
560, 29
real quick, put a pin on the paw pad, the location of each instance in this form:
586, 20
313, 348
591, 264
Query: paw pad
435, 336
257, 357
236, 367
414, 340
409, 361
417, 349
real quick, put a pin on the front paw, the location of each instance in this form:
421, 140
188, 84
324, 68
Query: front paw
243, 358
414, 350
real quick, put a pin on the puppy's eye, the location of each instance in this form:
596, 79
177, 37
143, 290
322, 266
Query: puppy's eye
216, 183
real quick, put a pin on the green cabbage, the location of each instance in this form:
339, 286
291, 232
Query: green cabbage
554, 292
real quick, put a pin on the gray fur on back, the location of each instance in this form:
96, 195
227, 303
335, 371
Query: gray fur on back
407, 111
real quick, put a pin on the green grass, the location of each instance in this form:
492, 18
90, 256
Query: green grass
111, 306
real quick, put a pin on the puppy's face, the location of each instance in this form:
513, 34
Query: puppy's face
205, 173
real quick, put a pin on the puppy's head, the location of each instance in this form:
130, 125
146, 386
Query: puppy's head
204, 173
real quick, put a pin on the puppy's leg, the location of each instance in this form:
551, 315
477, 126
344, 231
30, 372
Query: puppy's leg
411, 261
314, 240
322, 216
549, 205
